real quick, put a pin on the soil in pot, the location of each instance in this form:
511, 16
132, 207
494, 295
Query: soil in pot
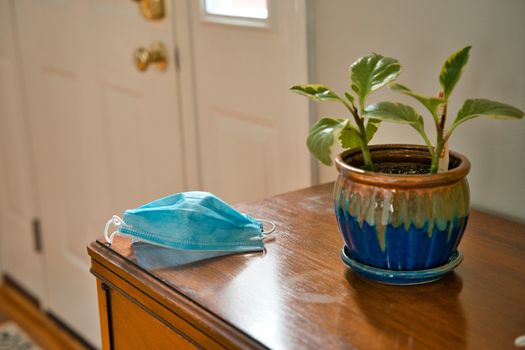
402, 168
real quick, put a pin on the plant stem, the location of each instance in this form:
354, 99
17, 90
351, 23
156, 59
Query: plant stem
367, 159
364, 148
435, 157
353, 111
440, 141
427, 142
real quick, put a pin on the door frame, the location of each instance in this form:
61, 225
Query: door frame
183, 59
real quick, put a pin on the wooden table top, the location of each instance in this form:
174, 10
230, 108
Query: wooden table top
300, 295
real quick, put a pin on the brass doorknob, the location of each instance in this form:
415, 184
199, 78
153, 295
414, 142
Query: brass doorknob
155, 54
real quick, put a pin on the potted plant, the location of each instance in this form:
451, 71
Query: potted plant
401, 209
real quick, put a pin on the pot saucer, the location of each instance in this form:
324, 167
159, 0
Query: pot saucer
401, 277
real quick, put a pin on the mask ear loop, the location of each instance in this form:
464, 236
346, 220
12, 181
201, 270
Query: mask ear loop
116, 221
267, 235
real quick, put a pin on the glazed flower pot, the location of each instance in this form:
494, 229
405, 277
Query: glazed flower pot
398, 224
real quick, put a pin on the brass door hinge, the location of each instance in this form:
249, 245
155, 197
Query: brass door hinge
37, 235
176, 58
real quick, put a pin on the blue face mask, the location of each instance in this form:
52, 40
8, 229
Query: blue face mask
196, 221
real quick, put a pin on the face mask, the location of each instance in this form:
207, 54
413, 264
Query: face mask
152, 256
196, 221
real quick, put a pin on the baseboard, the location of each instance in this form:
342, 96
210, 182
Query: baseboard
47, 330
12, 283
71, 332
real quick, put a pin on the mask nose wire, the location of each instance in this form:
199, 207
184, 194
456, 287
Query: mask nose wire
116, 221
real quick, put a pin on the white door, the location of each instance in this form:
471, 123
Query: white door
18, 246
106, 136
252, 130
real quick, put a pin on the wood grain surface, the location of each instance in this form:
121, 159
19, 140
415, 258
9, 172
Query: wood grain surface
299, 295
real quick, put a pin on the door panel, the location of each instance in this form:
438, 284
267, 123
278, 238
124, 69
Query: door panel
143, 103
63, 155
106, 136
17, 205
55, 74
255, 157
251, 129
120, 111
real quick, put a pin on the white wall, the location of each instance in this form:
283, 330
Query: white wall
2, 194
421, 34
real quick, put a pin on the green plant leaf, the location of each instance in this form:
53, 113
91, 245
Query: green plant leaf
370, 73
397, 113
430, 103
350, 97
316, 92
371, 128
473, 108
393, 112
321, 138
452, 69
349, 137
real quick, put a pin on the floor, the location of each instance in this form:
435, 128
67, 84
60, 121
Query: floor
43, 330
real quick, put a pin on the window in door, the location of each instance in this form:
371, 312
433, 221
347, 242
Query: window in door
253, 13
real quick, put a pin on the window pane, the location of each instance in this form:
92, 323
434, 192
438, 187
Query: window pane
238, 8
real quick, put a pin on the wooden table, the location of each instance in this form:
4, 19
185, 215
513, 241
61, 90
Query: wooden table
301, 296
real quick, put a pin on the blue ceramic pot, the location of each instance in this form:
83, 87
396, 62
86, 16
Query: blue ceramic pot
401, 222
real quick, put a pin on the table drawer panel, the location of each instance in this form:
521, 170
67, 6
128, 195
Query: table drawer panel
135, 328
